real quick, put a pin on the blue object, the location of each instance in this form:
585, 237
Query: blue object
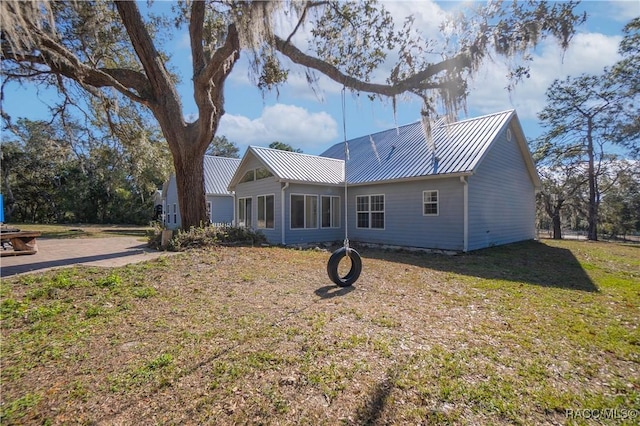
1, 208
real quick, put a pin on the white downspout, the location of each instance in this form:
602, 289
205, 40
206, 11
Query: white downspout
235, 206
465, 243
282, 206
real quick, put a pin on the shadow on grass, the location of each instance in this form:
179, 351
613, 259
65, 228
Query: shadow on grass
372, 408
529, 262
331, 291
7, 271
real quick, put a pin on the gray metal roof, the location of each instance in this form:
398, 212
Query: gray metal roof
296, 167
405, 153
218, 172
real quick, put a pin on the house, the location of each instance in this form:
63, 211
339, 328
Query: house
472, 186
218, 172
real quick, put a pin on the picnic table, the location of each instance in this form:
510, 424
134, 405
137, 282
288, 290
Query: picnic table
23, 242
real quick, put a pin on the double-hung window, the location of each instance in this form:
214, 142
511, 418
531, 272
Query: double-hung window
266, 211
330, 211
304, 211
244, 212
370, 211
430, 203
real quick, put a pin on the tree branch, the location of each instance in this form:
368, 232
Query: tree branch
303, 17
225, 56
420, 80
196, 25
62, 62
160, 82
208, 84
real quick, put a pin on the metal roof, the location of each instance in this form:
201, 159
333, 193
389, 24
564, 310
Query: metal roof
218, 172
404, 152
296, 167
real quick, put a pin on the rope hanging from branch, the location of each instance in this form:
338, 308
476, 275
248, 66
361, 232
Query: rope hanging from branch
345, 251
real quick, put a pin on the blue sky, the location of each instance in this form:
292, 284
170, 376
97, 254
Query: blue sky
313, 121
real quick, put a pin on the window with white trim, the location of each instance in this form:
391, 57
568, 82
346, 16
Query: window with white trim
256, 174
244, 212
209, 211
250, 176
175, 214
370, 211
304, 211
330, 211
266, 213
430, 203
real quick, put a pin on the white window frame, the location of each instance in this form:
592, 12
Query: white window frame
425, 202
242, 222
334, 220
370, 211
306, 225
264, 196
209, 211
175, 214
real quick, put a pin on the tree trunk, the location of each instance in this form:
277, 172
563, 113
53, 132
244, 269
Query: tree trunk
190, 185
557, 229
592, 233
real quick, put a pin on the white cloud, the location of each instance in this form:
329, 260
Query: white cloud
588, 53
289, 124
623, 11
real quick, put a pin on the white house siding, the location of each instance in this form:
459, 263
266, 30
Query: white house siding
405, 224
171, 220
267, 186
501, 197
318, 234
221, 208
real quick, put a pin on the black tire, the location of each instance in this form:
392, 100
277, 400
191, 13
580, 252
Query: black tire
353, 274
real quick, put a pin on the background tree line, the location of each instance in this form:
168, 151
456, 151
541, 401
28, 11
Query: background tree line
589, 156
106, 170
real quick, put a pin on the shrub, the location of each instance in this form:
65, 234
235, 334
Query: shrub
212, 235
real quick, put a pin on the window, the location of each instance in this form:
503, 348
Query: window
266, 211
249, 176
370, 211
209, 211
330, 209
304, 211
430, 203
262, 173
244, 212
175, 214
256, 174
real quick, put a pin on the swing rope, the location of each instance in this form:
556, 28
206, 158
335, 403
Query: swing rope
334, 261
346, 158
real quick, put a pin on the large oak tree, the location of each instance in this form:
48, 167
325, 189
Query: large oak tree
107, 47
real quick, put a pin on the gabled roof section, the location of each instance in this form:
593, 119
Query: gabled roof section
290, 166
404, 152
218, 172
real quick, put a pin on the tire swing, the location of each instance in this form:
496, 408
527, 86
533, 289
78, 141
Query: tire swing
334, 261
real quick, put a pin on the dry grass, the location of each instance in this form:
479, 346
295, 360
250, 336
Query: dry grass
83, 230
512, 335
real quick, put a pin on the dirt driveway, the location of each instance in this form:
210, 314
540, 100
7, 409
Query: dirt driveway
57, 253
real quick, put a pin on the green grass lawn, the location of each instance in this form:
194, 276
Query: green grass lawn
532, 333
83, 230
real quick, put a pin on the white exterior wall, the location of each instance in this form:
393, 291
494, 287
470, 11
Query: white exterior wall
501, 197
